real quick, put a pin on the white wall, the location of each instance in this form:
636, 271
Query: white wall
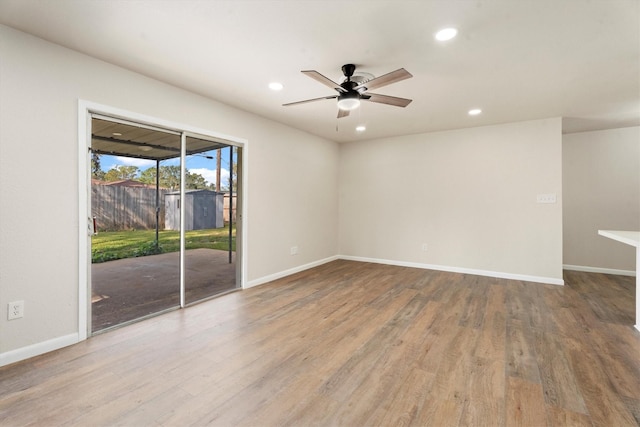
292, 180
601, 185
469, 194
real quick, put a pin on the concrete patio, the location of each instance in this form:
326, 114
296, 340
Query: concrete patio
128, 289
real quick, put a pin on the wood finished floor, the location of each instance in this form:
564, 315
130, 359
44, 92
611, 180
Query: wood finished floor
354, 344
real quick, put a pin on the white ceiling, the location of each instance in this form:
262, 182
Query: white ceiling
514, 59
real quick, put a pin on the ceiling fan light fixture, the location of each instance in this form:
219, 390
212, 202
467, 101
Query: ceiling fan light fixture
349, 101
348, 104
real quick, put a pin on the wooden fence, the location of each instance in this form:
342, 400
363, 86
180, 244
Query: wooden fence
226, 207
126, 208
119, 207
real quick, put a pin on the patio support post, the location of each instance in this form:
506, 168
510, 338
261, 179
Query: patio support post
230, 202
157, 202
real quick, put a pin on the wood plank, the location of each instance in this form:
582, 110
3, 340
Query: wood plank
520, 352
407, 401
559, 417
525, 403
441, 412
450, 382
492, 340
606, 407
486, 385
556, 373
474, 306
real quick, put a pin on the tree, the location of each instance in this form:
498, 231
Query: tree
148, 176
96, 170
169, 177
195, 181
120, 172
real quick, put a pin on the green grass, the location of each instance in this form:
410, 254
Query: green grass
111, 245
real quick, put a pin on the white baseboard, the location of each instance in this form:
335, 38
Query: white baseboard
37, 349
498, 274
587, 269
285, 273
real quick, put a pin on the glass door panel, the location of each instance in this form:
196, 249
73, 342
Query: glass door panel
210, 266
135, 268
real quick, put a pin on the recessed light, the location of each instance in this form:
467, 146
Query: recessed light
145, 148
475, 112
361, 128
446, 34
275, 86
116, 134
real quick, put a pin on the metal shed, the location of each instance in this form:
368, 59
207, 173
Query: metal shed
203, 210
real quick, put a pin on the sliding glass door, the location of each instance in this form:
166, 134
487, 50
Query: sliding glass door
164, 232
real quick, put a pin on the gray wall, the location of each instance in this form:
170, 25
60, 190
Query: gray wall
601, 180
469, 194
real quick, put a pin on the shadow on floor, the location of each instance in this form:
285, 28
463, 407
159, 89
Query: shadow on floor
128, 289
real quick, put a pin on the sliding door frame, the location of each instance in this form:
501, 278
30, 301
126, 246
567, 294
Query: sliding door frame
85, 111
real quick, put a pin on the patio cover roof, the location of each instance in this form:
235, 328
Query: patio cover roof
118, 138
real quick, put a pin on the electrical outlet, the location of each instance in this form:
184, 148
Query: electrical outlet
424, 247
294, 250
15, 310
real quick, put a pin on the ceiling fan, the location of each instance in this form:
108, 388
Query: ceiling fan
351, 92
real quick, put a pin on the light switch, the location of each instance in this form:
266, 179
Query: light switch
546, 198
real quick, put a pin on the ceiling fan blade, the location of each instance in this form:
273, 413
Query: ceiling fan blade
310, 100
386, 99
342, 113
387, 79
324, 80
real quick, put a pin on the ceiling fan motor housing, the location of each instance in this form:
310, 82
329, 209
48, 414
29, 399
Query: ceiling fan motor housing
348, 85
350, 99
348, 70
